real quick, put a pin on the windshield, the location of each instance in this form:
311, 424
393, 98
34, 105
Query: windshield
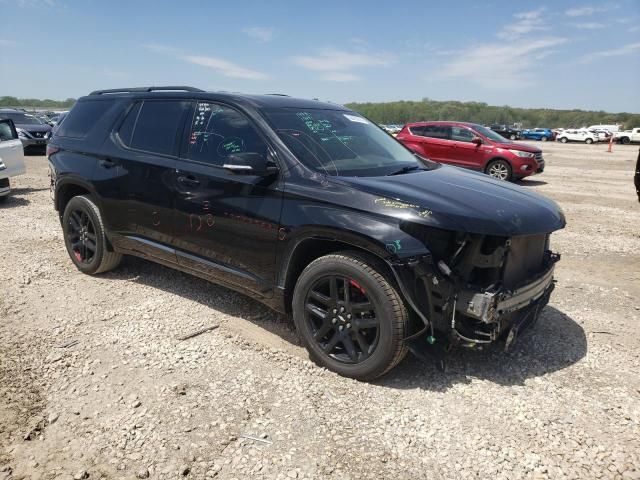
339, 142
22, 118
490, 134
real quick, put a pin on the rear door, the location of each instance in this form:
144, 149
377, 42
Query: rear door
140, 168
226, 224
11, 152
464, 153
436, 143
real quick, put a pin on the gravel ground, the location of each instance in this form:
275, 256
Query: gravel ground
95, 382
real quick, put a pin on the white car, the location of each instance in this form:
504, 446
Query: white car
11, 156
577, 136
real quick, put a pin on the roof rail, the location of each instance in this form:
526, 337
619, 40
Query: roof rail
278, 94
146, 89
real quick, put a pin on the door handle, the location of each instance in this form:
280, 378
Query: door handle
188, 180
107, 163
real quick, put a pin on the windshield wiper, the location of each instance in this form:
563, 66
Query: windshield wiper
409, 168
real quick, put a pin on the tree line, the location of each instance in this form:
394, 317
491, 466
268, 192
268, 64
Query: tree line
401, 112
37, 103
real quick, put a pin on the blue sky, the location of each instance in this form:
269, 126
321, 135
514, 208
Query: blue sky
557, 54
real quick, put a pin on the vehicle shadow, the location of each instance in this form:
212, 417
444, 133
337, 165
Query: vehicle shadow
13, 201
23, 190
530, 183
213, 296
555, 342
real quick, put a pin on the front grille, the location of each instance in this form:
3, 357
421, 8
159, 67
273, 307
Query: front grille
538, 157
38, 134
4, 182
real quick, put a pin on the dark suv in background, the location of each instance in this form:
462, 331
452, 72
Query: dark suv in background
310, 208
506, 131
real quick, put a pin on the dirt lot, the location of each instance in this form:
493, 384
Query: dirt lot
129, 399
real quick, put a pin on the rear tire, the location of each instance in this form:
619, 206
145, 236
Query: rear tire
350, 316
625, 140
588, 141
564, 140
85, 237
499, 169
544, 139
512, 137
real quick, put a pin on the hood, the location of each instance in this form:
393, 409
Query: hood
33, 128
519, 146
461, 200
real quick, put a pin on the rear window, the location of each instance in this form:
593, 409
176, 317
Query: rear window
436, 131
82, 117
154, 126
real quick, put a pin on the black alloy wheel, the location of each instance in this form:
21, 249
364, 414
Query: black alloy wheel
342, 319
85, 237
81, 234
350, 315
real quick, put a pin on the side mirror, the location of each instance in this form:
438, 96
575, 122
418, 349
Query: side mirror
250, 163
477, 141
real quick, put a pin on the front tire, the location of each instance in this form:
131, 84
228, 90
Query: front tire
85, 238
499, 169
564, 140
512, 137
588, 141
350, 316
544, 139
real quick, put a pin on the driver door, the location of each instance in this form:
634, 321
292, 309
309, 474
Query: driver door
226, 225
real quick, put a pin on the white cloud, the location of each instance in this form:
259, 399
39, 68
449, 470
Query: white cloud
338, 64
499, 66
634, 29
527, 22
226, 68
340, 77
222, 66
339, 61
590, 25
628, 49
589, 10
262, 34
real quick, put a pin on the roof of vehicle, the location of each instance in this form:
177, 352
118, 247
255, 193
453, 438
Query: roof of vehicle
257, 101
441, 122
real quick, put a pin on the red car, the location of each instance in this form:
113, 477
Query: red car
472, 146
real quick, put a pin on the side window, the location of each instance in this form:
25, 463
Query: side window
6, 132
436, 131
82, 117
417, 130
218, 131
158, 125
126, 129
461, 134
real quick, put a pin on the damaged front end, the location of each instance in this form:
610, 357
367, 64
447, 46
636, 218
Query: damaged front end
474, 289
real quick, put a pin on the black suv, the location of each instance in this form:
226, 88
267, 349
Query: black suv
310, 208
506, 131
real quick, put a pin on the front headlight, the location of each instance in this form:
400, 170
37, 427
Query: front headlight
522, 154
2, 165
21, 133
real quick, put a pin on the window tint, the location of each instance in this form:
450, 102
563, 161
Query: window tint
218, 131
461, 134
436, 131
6, 132
416, 130
82, 117
126, 129
158, 125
